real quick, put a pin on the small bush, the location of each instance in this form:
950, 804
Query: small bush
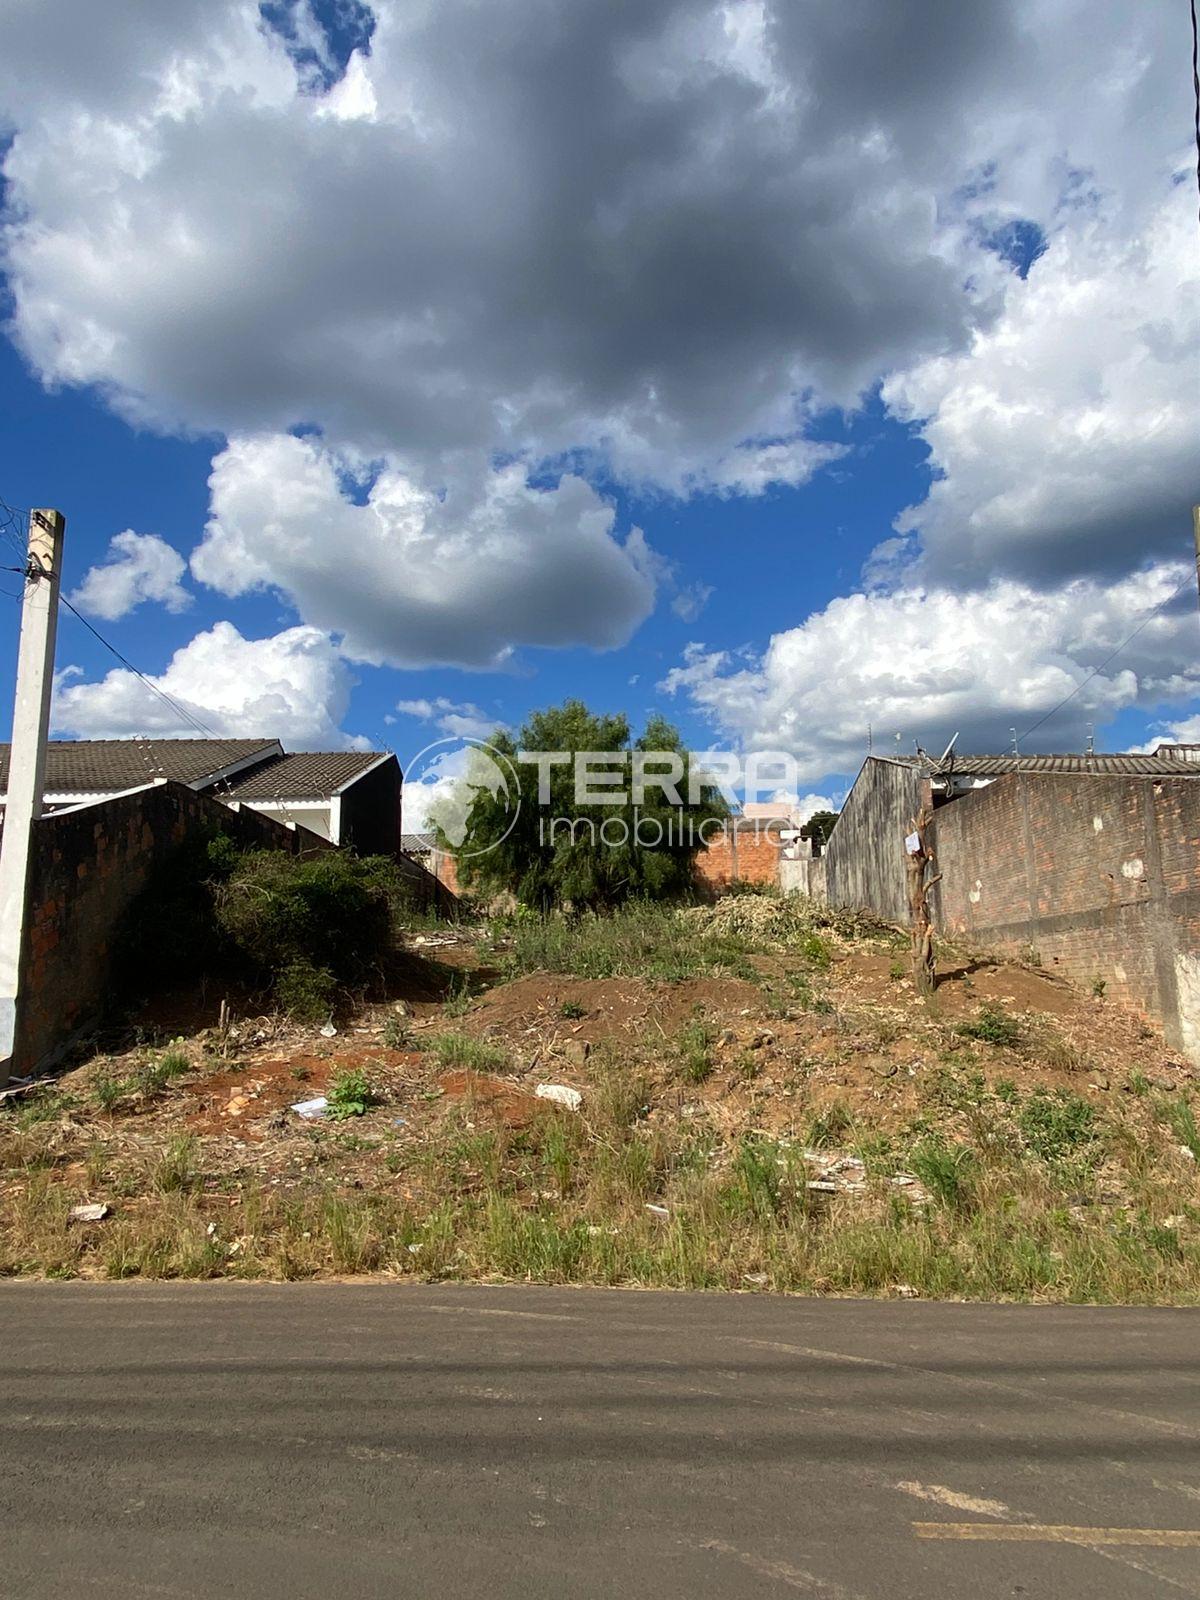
176, 1170
394, 1034
571, 1011
107, 1090
947, 1171
1056, 1125
312, 926
816, 950
992, 1026
350, 1094
305, 992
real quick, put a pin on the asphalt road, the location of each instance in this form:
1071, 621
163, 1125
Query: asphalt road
347, 1440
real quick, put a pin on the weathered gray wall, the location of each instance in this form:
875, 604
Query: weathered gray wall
1099, 875
864, 856
805, 876
86, 868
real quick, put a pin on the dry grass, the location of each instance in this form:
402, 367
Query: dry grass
1042, 1202
690, 1164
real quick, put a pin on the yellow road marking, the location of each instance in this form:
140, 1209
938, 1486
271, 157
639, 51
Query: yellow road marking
1030, 1531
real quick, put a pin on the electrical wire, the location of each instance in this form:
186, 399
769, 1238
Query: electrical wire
1083, 682
1196, 93
179, 710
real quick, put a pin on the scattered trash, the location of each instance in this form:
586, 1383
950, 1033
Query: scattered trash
329, 1031
757, 1278
92, 1213
659, 1211
560, 1094
399, 1122
905, 1291
311, 1108
1186, 1150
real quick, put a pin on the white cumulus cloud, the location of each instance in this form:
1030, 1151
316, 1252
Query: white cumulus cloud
928, 663
292, 686
415, 578
140, 567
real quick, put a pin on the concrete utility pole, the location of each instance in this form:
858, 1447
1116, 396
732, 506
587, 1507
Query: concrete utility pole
27, 758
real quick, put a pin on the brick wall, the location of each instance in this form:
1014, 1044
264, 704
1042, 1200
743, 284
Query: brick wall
86, 867
750, 856
1099, 875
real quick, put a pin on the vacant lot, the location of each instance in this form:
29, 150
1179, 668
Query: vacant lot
763, 1103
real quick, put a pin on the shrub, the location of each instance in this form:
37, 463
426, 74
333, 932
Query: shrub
350, 1094
307, 993
176, 1170
828, 1126
993, 1026
947, 1171
310, 927
395, 1034
476, 1055
1056, 1125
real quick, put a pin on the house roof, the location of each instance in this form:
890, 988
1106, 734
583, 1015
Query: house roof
107, 766
417, 844
1159, 764
306, 775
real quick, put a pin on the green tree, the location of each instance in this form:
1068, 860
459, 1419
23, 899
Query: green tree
820, 825
565, 851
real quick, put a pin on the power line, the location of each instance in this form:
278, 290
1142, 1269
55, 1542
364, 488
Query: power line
1196, 91
179, 710
1083, 683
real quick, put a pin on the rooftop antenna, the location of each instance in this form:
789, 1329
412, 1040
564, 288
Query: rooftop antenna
1013, 731
870, 740
947, 750
1091, 744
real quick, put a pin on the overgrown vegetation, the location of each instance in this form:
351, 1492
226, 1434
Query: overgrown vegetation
642, 940
310, 931
817, 1129
610, 1197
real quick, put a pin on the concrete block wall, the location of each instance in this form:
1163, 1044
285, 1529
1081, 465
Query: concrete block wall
864, 855
1099, 875
87, 866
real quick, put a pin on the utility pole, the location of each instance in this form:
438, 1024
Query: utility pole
1196, 536
27, 758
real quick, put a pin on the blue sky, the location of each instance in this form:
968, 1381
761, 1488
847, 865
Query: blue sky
683, 360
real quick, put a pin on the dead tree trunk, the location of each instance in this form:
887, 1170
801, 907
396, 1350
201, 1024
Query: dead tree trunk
918, 855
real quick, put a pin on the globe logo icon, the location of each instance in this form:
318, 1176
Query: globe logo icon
452, 774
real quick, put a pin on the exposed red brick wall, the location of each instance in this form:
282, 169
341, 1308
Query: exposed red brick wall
86, 867
758, 853
1099, 875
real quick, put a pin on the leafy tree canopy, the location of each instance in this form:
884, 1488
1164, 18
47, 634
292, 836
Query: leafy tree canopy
820, 825
565, 851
